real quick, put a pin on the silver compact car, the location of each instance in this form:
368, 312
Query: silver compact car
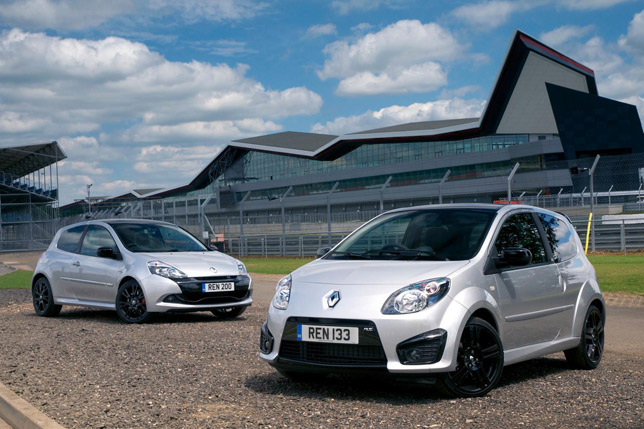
137, 267
444, 293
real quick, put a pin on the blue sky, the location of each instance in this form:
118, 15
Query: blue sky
143, 93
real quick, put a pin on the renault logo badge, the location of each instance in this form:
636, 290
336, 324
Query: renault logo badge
213, 269
333, 299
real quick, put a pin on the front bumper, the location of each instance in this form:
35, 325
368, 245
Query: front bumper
418, 343
165, 295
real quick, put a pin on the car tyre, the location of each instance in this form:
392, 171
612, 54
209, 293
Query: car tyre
479, 361
43, 299
588, 353
130, 303
228, 312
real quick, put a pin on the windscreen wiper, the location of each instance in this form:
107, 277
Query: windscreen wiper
413, 253
351, 255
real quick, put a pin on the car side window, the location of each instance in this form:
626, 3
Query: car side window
560, 237
520, 230
95, 238
69, 239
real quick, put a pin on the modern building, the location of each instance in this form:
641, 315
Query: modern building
28, 195
543, 113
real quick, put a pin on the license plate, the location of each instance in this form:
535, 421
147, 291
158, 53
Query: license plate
218, 287
327, 334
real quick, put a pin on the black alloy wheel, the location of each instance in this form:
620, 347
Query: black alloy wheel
130, 303
588, 353
479, 361
43, 298
228, 312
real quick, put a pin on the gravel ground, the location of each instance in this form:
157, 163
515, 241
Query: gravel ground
86, 369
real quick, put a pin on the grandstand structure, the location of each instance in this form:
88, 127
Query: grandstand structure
29, 195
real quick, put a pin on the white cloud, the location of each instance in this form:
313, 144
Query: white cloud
63, 14
52, 86
66, 15
391, 59
633, 41
488, 15
589, 4
84, 148
321, 30
185, 162
416, 78
209, 10
394, 115
199, 131
83, 167
344, 7
564, 34
224, 48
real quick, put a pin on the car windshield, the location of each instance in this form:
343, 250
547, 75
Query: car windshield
438, 234
147, 237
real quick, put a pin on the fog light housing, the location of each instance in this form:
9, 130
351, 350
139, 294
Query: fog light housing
265, 340
423, 349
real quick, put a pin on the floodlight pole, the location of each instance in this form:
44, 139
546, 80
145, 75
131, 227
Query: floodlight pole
89, 201
540, 191
382, 190
282, 198
241, 223
559, 196
609, 190
440, 186
328, 209
591, 173
510, 177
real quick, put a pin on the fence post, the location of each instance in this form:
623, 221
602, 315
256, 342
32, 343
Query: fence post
301, 246
622, 236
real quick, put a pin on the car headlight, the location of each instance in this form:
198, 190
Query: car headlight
242, 268
416, 296
282, 293
164, 270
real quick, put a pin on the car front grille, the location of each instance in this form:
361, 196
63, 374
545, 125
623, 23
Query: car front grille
192, 291
367, 353
333, 354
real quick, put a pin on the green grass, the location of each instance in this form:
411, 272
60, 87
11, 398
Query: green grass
19, 279
620, 273
274, 265
616, 273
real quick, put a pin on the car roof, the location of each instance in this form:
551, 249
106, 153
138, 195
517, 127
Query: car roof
120, 221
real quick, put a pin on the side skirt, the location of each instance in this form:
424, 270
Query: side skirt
535, 350
67, 301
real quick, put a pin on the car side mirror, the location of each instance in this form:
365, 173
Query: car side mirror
213, 248
322, 251
514, 257
107, 252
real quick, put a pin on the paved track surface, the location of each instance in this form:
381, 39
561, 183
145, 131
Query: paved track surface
87, 369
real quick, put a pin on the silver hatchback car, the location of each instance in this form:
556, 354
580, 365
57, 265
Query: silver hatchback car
447, 293
137, 267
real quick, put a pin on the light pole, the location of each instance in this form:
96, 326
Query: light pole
440, 186
89, 201
510, 177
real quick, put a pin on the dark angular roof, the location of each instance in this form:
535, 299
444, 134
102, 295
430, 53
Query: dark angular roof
22, 160
309, 142
418, 126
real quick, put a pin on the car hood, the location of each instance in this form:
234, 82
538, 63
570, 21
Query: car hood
198, 264
375, 272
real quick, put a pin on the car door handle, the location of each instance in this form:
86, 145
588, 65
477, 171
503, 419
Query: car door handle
76, 263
